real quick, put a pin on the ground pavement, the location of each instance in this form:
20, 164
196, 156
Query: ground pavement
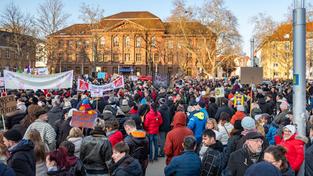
156, 168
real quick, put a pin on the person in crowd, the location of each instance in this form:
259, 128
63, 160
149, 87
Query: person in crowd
124, 164
16, 116
250, 153
263, 168
197, 123
56, 113
179, 166
76, 166
235, 136
239, 115
57, 163
115, 136
224, 127
212, 124
152, 123
166, 125
125, 106
212, 159
65, 126
138, 143
294, 145
95, 151
40, 150
3, 150
76, 137
22, 157
224, 108
140, 116
277, 156
46, 131
282, 116
212, 108
176, 136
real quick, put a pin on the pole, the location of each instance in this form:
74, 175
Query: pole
3, 122
252, 52
299, 101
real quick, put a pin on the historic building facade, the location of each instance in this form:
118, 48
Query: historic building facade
16, 51
127, 42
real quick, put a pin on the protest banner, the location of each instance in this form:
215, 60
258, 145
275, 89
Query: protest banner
161, 80
7, 104
101, 75
219, 92
251, 75
13, 80
1, 82
98, 90
83, 119
82, 85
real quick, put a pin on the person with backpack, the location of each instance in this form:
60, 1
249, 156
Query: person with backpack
138, 143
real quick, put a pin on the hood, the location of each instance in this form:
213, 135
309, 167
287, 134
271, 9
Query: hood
163, 107
179, 119
23, 145
130, 165
138, 134
217, 146
139, 137
302, 138
200, 115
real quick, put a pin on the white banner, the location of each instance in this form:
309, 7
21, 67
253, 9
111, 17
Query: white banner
98, 90
13, 80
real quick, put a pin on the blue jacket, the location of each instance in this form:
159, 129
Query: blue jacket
197, 125
271, 133
206, 114
186, 164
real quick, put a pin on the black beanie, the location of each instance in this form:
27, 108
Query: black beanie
13, 135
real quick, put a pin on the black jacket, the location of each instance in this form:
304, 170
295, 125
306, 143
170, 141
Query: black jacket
212, 109
14, 118
55, 114
213, 159
223, 108
165, 113
22, 159
127, 166
309, 161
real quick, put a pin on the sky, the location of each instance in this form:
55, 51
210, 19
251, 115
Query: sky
242, 9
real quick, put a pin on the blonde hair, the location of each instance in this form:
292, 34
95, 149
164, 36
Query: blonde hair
75, 132
213, 122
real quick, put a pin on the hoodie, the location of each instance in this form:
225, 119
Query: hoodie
197, 125
127, 166
174, 139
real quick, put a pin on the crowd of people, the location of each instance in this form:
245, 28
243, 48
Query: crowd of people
249, 131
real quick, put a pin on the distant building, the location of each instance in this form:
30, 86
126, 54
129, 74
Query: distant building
16, 51
276, 53
125, 43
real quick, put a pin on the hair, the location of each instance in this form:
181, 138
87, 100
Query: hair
69, 146
279, 153
212, 100
75, 132
189, 143
154, 107
214, 123
209, 133
30, 117
121, 147
39, 148
130, 122
225, 116
3, 148
59, 156
143, 109
113, 124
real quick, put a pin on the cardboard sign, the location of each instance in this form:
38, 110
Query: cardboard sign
251, 75
7, 104
161, 81
101, 75
219, 92
83, 119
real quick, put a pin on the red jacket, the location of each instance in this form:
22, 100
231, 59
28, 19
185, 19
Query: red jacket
295, 151
152, 122
116, 137
237, 116
174, 139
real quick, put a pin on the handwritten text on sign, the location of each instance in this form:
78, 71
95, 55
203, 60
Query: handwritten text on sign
82, 119
7, 104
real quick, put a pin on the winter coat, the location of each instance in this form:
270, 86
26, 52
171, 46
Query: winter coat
174, 139
288, 171
55, 114
224, 108
295, 151
225, 132
263, 168
6, 171
77, 141
64, 130
270, 136
127, 166
212, 161
165, 113
95, 151
280, 117
239, 161
14, 118
197, 125
22, 159
152, 122
239, 115
232, 144
212, 110
179, 166
309, 161
115, 137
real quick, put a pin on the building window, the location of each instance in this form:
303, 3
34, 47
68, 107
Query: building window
276, 74
78, 43
169, 58
7, 54
86, 44
189, 71
170, 44
156, 58
188, 56
77, 70
127, 41
115, 41
287, 46
77, 57
153, 42
100, 57
127, 57
179, 45
287, 55
115, 58
138, 42
138, 57
61, 43
105, 58
102, 41
115, 70
275, 65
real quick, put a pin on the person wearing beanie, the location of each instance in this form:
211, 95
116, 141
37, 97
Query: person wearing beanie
251, 153
166, 125
56, 113
22, 157
263, 168
248, 123
294, 144
239, 115
46, 131
65, 126
235, 136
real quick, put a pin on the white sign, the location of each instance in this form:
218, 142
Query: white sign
219, 92
13, 80
98, 90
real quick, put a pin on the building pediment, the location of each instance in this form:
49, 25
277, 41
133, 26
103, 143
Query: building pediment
126, 26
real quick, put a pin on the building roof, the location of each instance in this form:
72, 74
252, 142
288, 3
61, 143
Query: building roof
284, 31
75, 29
189, 28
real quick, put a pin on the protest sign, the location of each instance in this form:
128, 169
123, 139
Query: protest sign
82, 85
161, 81
83, 119
13, 80
101, 75
251, 75
7, 104
219, 92
97, 90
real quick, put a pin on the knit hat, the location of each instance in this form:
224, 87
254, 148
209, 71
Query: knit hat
13, 135
291, 128
262, 168
240, 108
248, 123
